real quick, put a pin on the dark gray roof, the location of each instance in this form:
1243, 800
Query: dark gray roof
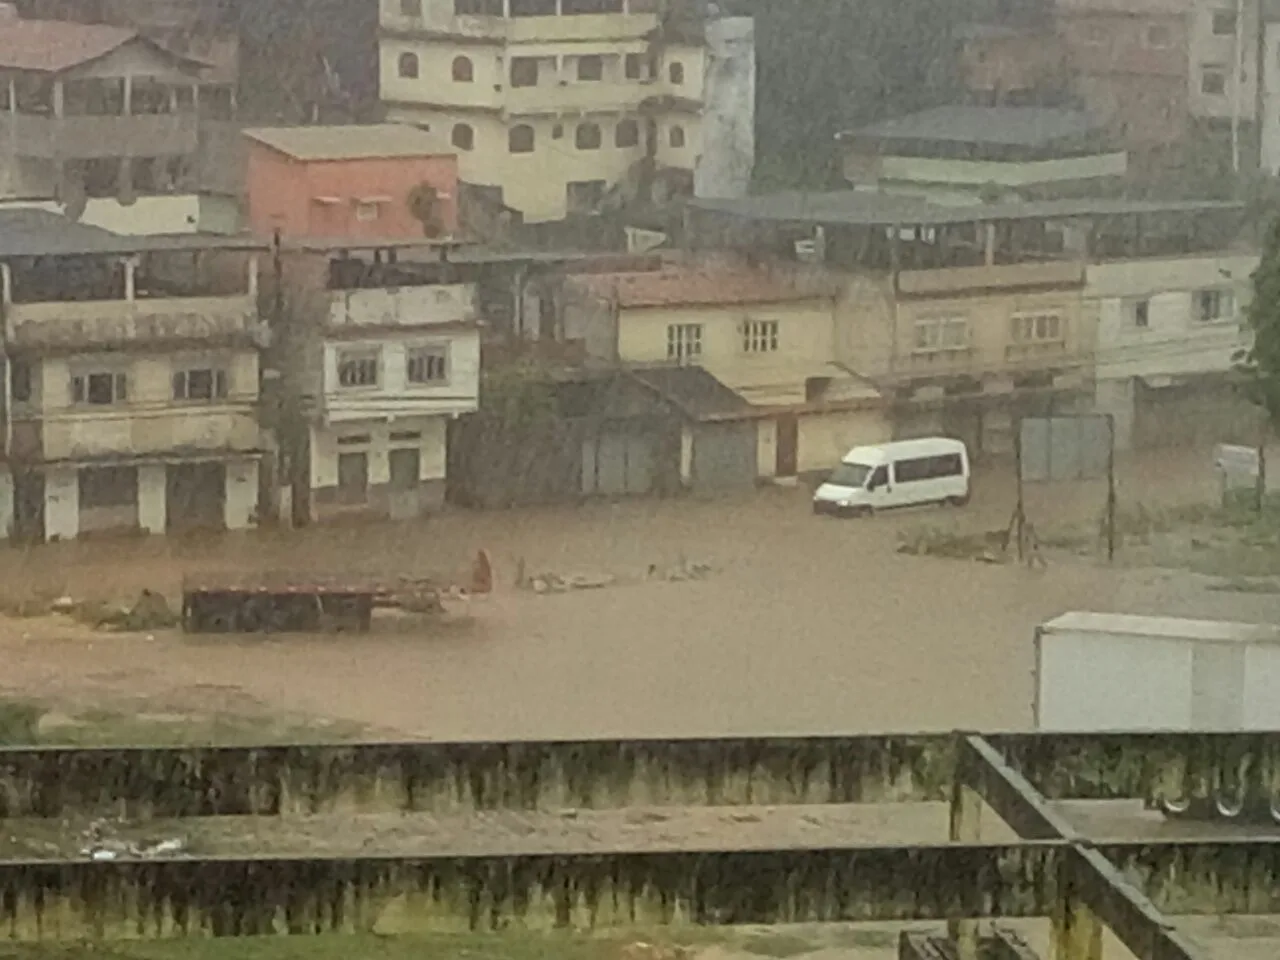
693, 390
995, 126
34, 233
869, 209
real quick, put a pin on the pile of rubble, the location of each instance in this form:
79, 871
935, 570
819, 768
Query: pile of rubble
549, 582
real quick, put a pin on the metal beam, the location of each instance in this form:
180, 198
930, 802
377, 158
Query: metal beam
459, 777
236, 897
981, 768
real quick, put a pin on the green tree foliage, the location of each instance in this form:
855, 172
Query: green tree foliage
1261, 364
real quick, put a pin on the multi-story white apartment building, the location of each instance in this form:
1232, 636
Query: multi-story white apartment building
395, 357
552, 103
132, 381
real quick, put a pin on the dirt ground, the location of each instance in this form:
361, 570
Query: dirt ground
803, 625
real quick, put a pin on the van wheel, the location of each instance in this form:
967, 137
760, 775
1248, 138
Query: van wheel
957, 501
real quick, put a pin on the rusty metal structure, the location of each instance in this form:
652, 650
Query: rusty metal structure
1050, 871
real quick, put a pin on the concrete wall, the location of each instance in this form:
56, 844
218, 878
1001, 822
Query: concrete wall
145, 216
1207, 48
404, 306
805, 345
283, 194
826, 437
1270, 132
394, 396
728, 121
150, 421
432, 459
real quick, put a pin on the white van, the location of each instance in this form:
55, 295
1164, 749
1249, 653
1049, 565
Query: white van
901, 474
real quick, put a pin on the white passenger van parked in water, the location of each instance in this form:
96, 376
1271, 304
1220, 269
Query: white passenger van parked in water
901, 474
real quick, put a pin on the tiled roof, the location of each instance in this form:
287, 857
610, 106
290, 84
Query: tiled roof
49, 46
692, 287
693, 390
348, 141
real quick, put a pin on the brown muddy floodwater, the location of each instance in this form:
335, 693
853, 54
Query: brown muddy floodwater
805, 625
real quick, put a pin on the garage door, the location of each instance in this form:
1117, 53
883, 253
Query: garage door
618, 464
195, 496
724, 456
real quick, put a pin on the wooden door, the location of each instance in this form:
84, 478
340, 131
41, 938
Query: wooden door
788, 445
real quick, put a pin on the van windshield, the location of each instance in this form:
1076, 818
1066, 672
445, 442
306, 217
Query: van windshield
850, 475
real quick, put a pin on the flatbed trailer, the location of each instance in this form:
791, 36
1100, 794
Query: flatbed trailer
276, 603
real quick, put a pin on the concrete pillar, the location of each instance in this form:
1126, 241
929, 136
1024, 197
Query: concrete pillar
127, 109
240, 509
966, 827
1117, 397
1075, 931
57, 98
152, 509
6, 284
6, 504
130, 278
253, 277
989, 244
61, 504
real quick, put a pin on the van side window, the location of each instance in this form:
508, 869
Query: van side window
880, 478
928, 468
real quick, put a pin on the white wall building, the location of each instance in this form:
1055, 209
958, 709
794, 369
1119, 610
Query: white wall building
1168, 332
393, 366
132, 386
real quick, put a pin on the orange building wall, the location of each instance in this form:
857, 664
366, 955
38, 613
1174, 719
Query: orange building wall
282, 195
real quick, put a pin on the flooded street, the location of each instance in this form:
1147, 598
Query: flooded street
804, 625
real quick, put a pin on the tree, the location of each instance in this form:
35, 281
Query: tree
1261, 363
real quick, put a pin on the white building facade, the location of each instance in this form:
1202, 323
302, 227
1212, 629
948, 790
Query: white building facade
394, 366
132, 402
1169, 333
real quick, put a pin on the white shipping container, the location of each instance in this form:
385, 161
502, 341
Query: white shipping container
1099, 672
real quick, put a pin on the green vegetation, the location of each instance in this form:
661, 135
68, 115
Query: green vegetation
1261, 365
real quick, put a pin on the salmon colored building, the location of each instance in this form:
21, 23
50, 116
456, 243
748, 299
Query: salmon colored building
368, 182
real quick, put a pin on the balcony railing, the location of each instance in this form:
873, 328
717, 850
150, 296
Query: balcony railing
404, 306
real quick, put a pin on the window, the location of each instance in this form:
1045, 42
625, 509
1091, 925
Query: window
427, 365
524, 71
676, 73
520, 139
108, 487
355, 440
408, 66
533, 8
591, 68
358, 370
587, 136
760, 336
676, 137
941, 333
477, 8
684, 341
1214, 305
1213, 81
557, 131
366, 212
634, 66
626, 134
879, 478
1159, 37
572, 7
463, 71
928, 468
1224, 23
1141, 313
410, 8
1037, 328
99, 389
464, 138
353, 478
200, 384
20, 381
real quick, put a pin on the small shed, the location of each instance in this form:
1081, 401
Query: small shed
719, 434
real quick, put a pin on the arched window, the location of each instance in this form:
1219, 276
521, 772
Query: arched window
463, 71
587, 136
520, 139
408, 66
464, 138
676, 137
676, 73
627, 134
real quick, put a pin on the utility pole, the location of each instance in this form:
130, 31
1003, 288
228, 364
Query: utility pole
1237, 87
